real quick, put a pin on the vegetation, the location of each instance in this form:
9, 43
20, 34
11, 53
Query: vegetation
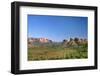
55, 51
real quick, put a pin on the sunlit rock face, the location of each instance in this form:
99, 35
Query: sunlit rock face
74, 42
38, 42
41, 40
32, 42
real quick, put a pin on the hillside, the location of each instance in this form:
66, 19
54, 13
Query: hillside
32, 42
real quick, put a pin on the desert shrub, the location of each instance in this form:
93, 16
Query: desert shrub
56, 51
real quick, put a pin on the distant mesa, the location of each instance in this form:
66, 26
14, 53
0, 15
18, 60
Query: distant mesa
37, 41
41, 40
74, 42
44, 41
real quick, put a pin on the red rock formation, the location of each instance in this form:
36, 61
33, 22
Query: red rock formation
41, 40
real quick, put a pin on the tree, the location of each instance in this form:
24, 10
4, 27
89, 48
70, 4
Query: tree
50, 41
76, 39
64, 40
71, 39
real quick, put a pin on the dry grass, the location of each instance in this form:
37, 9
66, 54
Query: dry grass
48, 53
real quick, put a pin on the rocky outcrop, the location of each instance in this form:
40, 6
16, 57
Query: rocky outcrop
33, 42
74, 42
40, 40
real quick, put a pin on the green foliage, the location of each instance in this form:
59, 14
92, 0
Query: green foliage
57, 51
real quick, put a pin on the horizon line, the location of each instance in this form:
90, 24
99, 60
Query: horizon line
59, 40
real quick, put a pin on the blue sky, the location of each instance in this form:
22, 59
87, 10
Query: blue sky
57, 28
